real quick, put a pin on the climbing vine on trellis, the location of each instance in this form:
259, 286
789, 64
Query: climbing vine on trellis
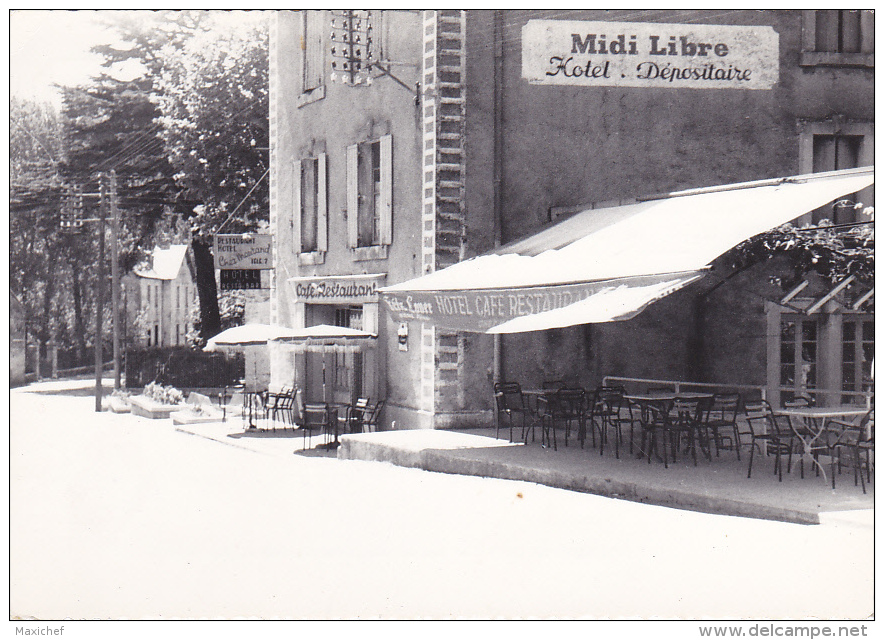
832, 252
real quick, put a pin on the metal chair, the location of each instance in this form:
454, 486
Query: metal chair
656, 425
282, 405
566, 406
607, 407
316, 415
769, 430
371, 416
689, 420
510, 402
859, 439
355, 415
723, 416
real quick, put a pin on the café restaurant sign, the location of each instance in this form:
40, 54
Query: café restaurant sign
481, 309
243, 251
355, 289
653, 55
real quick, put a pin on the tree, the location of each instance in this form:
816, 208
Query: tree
213, 92
36, 199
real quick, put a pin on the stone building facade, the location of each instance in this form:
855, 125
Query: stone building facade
471, 130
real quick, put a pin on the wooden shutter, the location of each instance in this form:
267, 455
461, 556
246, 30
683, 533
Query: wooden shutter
386, 218
353, 195
297, 170
322, 203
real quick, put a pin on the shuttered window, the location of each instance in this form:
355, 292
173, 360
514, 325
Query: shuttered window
370, 193
311, 202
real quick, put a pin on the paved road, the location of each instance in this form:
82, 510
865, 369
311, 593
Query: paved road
114, 516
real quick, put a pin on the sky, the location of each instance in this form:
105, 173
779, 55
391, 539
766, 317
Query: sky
48, 47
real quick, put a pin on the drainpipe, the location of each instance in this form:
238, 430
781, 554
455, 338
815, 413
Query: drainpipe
498, 164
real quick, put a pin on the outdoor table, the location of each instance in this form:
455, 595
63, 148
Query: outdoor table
815, 420
643, 400
253, 402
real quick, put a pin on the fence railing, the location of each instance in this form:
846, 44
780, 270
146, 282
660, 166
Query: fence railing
762, 390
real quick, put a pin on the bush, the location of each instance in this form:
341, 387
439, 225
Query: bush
163, 394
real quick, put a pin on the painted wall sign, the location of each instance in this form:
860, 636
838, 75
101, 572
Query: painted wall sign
642, 54
243, 251
355, 289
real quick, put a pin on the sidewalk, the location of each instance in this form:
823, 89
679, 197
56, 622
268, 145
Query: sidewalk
719, 486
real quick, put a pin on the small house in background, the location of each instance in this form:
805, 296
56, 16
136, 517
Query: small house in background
17, 347
160, 297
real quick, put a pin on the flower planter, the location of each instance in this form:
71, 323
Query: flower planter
191, 417
149, 408
118, 405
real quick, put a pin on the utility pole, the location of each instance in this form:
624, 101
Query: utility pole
99, 291
115, 276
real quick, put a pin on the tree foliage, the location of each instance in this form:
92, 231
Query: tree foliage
833, 253
213, 93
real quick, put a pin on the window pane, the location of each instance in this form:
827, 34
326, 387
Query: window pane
787, 375
309, 203
808, 330
827, 30
848, 331
787, 332
850, 31
868, 331
787, 353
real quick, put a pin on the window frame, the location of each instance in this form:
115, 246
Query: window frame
315, 255
807, 133
357, 191
810, 57
310, 91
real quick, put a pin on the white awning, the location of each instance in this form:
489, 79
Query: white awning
608, 264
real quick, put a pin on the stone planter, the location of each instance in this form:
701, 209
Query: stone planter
190, 417
149, 408
118, 405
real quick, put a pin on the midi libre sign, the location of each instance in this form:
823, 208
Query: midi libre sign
638, 54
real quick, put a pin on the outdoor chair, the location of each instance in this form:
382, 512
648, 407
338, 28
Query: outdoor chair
370, 416
657, 430
689, 421
355, 415
511, 403
859, 440
610, 411
771, 432
566, 406
280, 405
316, 416
723, 417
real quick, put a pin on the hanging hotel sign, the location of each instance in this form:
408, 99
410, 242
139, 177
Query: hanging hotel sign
240, 279
353, 289
243, 251
640, 54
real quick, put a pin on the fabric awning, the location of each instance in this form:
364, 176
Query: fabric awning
608, 264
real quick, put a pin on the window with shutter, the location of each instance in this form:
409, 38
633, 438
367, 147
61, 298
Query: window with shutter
370, 195
839, 37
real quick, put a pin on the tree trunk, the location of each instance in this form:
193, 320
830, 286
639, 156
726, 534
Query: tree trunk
210, 316
79, 324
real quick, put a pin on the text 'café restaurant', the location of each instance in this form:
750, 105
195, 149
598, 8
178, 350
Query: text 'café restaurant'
526, 196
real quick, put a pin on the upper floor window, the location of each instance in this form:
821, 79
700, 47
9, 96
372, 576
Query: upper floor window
311, 45
838, 37
833, 145
370, 194
311, 203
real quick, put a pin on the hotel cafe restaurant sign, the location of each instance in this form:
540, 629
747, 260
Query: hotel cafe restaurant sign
640, 54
